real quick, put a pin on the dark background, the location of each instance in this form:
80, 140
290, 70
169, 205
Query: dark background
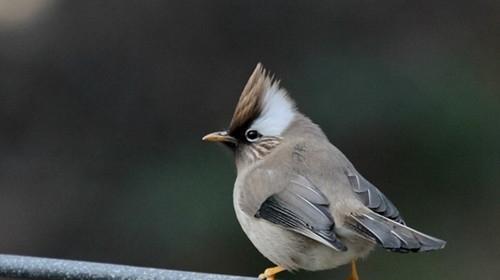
103, 105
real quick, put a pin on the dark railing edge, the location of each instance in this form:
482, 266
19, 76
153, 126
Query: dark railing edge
25, 267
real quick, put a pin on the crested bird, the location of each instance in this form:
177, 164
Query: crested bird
297, 197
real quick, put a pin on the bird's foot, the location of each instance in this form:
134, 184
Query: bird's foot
269, 273
354, 271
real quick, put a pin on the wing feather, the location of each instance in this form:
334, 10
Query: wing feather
392, 235
385, 224
373, 198
301, 207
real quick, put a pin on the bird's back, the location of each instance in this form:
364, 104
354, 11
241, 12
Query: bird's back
361, 214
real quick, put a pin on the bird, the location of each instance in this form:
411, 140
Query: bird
297, 197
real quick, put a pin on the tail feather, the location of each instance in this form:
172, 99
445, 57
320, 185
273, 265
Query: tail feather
394, 236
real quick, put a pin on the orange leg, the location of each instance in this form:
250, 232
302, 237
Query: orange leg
269, 273
354, 271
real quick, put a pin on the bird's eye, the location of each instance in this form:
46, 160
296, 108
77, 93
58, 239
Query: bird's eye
252, 135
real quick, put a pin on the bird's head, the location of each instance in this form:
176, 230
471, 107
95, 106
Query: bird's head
262, 115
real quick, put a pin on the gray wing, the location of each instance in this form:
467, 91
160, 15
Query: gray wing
393, 236
302, 208
373, 198
385, 224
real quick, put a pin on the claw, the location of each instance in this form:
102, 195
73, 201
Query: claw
269, 273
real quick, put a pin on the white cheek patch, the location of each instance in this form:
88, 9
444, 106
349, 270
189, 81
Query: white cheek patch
277, 113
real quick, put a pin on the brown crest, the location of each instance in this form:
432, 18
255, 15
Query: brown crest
250, 103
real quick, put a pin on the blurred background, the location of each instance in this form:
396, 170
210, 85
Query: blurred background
103, 105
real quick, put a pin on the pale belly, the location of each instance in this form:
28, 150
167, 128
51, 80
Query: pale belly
294, 251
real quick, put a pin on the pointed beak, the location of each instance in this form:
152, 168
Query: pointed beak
219, 136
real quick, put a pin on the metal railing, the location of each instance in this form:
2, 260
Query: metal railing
12, 266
